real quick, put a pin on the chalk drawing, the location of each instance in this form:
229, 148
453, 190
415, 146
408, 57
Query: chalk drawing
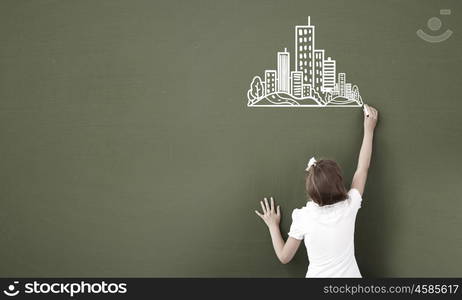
314, 82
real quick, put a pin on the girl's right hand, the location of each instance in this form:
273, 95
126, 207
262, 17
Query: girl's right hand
370, 119
271, 215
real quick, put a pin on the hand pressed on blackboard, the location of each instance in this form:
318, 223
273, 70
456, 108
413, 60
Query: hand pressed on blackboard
270, 215
365, 154
285, 251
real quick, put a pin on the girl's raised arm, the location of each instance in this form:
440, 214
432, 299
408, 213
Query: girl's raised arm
370, 120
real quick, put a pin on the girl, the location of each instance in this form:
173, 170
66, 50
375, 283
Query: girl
327, 222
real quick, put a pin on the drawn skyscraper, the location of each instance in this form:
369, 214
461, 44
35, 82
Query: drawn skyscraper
270, 81
304, 47
329, 71
341, 84
283, 71
318, 63
348, 94
296, 81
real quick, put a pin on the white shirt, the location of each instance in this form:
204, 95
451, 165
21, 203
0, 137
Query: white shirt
329, 236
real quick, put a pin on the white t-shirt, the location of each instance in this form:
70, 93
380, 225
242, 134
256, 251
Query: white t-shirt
329, 236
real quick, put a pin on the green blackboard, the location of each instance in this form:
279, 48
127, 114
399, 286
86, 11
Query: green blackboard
127, 147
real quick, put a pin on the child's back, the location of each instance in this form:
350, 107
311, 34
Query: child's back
328, 232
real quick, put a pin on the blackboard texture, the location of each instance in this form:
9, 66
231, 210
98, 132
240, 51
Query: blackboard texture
127, 147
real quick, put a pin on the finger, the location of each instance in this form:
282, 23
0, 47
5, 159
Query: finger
259, 214
263, 207
272, 204
375, 113
278, 212
267, 205
370, 112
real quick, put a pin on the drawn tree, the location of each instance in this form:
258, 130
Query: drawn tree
328, 97
256, 90
356, 95
317, 96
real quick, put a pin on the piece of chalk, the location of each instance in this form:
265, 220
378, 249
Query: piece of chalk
365, 110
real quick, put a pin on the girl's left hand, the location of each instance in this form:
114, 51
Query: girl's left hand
271, 216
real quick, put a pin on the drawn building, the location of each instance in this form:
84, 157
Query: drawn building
296, 81
328, 72
348, 93
304, 47
306, 90
318, 63
270, 81
283, 80
336, 91
341, 84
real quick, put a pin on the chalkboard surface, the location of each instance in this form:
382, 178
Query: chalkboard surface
127, 147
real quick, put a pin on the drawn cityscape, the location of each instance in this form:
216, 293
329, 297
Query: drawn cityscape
313, 83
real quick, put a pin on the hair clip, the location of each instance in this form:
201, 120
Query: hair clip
311, 163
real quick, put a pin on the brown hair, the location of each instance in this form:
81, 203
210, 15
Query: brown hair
324, 183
